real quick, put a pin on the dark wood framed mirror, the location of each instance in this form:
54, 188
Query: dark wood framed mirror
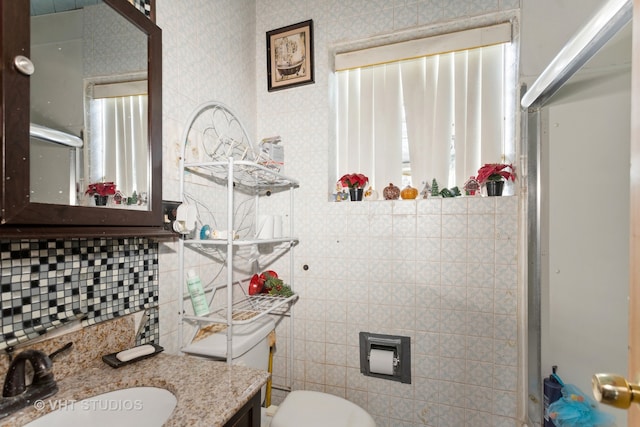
20, 215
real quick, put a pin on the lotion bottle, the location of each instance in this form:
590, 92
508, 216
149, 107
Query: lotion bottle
196, 292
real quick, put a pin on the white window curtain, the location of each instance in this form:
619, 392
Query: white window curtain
117, 126
453, 102
370, 117
454, 107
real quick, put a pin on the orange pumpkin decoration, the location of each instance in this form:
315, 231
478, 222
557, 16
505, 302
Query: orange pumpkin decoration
409, 193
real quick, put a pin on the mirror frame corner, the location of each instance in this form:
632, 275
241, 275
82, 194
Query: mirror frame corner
17, 213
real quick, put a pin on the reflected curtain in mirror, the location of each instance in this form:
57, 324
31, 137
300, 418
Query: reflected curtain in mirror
117, 119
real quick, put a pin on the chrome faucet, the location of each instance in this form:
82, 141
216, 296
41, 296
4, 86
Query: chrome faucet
16, 393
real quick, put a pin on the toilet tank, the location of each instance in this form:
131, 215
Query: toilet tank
250, 346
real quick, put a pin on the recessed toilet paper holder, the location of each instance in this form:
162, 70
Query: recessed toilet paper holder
395, 350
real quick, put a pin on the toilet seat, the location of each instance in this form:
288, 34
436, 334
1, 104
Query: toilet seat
315, 409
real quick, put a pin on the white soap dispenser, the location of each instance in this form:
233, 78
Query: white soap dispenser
196, 292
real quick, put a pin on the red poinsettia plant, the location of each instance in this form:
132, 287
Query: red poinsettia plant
101, 189
495, 172
353, 180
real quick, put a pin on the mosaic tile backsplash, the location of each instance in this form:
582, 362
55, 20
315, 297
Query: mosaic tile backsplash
47, 283
143, 6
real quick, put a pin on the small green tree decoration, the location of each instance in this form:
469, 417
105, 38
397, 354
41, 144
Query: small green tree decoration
434, 188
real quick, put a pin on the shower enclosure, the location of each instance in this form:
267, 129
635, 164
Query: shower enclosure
576, 119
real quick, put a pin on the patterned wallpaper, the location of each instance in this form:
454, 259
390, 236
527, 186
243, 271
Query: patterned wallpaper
111, 44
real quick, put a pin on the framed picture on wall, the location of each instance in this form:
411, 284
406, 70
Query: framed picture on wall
290, 56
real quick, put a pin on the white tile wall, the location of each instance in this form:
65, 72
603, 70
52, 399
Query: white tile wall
455, 296
442, 271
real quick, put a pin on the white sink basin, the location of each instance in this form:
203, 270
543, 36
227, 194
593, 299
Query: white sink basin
129, 407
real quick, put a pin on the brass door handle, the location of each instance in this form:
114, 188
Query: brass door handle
614, 390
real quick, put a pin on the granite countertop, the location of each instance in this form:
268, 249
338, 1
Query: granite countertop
209, 393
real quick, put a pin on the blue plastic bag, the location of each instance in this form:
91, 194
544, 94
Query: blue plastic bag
576, 409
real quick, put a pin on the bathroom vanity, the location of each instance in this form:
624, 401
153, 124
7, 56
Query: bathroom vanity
208, 393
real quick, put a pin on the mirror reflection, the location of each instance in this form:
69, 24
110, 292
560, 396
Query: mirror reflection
89, 117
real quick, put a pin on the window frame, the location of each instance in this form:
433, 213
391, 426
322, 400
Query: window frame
483, 28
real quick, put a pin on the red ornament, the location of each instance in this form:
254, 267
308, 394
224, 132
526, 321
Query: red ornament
256, 285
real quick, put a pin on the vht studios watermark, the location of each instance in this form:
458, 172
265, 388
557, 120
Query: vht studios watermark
89, 405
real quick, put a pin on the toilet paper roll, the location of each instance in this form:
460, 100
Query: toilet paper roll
277, 226
381, 361
265, 227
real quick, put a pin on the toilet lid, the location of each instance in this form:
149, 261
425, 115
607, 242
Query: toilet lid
245, 337
315, 409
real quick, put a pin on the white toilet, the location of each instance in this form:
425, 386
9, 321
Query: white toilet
300, 408
250, 346
315, 409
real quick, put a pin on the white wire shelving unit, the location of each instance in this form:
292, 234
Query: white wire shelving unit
259, 180
218, 154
